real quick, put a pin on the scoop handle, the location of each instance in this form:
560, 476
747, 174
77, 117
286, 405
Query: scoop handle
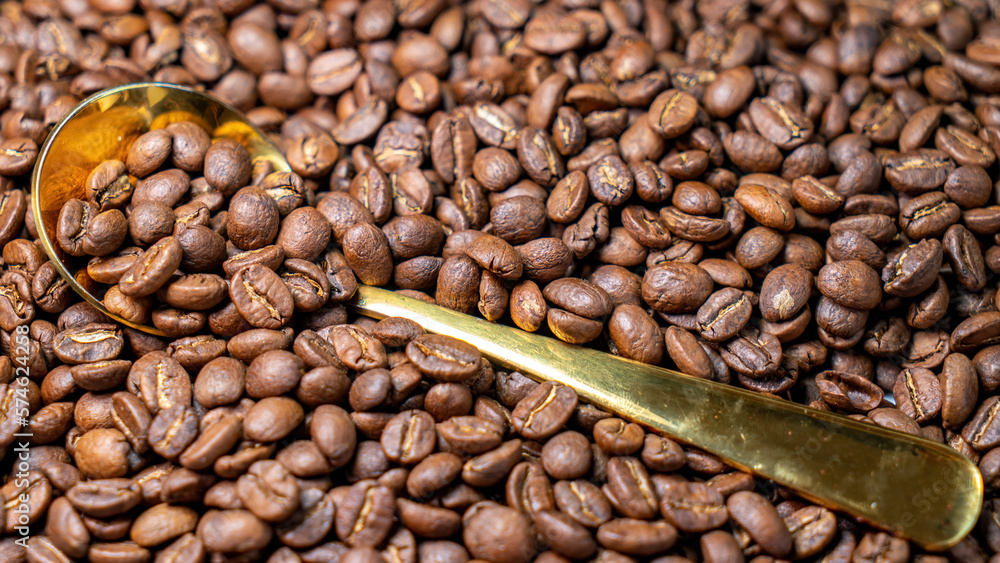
913, 487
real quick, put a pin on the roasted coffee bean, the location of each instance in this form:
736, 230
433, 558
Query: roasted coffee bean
686, 353
693, 507
261, 297
918, 171
409, 437
269, 491
162, 523
882, 544
928, 215
637, 537
965, 257
958, 390
617, 437
334, 433
233, 531
476, 195
102, 453
635, 335
544, 411
724, 314
221, 381
365, 514
672, 113
152, 270
253, 219
16, 304
168, 187
443, 358
753, 353
109, 186
190, 143
850, 283
272, 419
83, 229
848, 391
468, 435
758, 517
367, 252
356, 348
918, 394
784, 292
853, 245
149, 152
17, 156
914, 269
519, 219
676, 287
173, 430
630, 488
812, 529
692, 227
563, 534
89, 343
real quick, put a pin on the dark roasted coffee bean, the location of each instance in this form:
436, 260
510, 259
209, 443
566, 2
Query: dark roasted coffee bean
253, 219
784, 292
635, 334
468, 435
109, 186
848, 391
676, 287
149, 152
83, 229
724, 314
928, 215
544, 411
850, 283
965, 256
261, 297
914, 269
491, 531
443, 357
693, 507
758, 517
753, 353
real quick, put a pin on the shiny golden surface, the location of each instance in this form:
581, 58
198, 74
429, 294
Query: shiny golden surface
916, 488
101, 128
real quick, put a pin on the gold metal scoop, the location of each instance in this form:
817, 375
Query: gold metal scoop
913, 487
102, 127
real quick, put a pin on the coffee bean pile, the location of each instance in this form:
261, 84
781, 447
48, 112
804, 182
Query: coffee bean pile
795, 197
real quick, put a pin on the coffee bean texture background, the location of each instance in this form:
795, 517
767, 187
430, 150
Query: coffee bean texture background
796, 197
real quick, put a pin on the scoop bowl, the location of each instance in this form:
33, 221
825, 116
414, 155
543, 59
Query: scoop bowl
102, 127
